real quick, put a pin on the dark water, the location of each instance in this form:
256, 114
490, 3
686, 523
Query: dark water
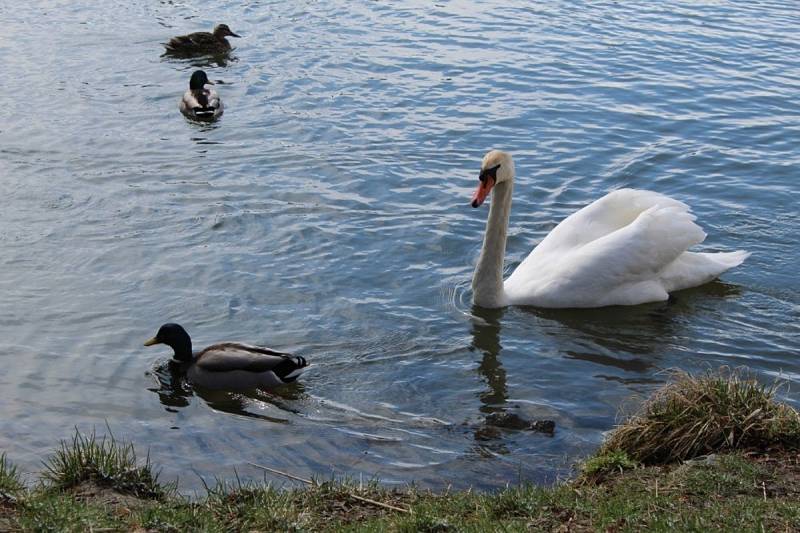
328, 213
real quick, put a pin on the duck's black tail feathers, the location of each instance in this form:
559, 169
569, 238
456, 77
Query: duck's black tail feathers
289, 369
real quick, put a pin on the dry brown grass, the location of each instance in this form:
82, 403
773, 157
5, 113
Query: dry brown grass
694, 416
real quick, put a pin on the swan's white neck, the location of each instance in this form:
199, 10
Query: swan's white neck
487, 281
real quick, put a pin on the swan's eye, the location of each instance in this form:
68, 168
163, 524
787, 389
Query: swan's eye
490, 172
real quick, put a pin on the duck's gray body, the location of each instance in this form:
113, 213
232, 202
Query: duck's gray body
201, 105
237, 366
231, 366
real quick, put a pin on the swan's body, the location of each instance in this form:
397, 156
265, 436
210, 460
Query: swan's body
629, 247
201, 42
230, 366
200, 102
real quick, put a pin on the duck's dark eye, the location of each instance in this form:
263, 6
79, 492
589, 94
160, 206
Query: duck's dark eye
490, 172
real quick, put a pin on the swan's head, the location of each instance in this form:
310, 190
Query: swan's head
497, 167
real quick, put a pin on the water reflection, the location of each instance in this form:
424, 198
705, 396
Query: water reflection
486, 326
203, 127
630, 338
220, 60
637, 330
175, 392
486, 340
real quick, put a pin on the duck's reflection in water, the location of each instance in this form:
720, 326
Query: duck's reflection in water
211, 60
175, 392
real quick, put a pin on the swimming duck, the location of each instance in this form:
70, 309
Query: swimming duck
230, 366
627, 248
199, 103
202, 42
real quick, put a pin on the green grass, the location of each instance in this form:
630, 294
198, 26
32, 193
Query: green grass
104, 462
98, 484
601, 465
10, 484
693, 416
733, 493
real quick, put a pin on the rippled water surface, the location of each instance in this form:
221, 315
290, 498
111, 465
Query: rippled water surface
327, 213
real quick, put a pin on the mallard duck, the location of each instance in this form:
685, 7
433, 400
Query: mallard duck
230, 365
202, 42
199, 103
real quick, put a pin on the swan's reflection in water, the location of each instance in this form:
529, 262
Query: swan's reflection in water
175, 392
623, 339
631, 338
627, 340
486, 340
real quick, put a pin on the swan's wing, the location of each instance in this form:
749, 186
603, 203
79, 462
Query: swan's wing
643, 248
230, 356
691, 269
619, 267
604, 216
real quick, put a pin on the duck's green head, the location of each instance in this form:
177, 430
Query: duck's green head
174, 336
199, 80
222, 30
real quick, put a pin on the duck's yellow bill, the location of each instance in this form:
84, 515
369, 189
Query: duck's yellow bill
150, 342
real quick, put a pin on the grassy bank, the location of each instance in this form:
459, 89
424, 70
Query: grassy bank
712, 453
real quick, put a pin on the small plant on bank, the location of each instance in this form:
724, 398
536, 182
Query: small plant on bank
602, 465
104, 462
694, 416
10, 484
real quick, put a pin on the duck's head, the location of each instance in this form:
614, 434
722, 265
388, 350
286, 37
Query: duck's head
174, 336
199, 80
222, 30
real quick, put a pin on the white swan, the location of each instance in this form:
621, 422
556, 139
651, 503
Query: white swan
627, 248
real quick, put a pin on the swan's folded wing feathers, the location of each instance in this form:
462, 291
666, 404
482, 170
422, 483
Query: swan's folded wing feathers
647, 245
601, 221
621, 267
602, 217
695, 268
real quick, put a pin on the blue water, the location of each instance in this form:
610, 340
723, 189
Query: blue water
327, 213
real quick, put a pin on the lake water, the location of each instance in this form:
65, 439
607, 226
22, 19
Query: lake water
328, 214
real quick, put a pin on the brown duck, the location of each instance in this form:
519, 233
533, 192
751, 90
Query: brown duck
202, 42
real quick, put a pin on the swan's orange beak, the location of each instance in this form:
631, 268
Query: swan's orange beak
483, 190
